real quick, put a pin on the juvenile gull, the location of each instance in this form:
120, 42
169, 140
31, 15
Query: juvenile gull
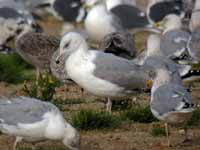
33, 120
37, 49
100, 73
170, 101
120, 44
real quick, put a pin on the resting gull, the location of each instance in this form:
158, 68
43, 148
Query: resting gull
195, 17
174, 39
69, 10
100, 73
170, 101
14, 19
193, 43
33, 120
100, 22
158, 9
128, 12
119, 43
153, 50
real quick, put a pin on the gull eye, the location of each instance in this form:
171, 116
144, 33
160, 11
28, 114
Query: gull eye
57, 62
152, 74
67, 45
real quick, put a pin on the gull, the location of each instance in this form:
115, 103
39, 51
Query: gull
170, 101
195, 17
57, 67
69, 10
179, 45
37, 49
32, 120
100, 22
14, 19
153, 49
193, 42
119, 43
66, 10
158, 9
174, 39
100, 73
104, 18
128, 12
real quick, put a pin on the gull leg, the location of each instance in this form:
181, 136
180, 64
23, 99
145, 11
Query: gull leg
187, 139
17, 139
37, 75
82, 92
134, 101
109, 105
167, 134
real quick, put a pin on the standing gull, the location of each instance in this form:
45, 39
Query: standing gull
100, 73
32, 120
37, 49
170, 101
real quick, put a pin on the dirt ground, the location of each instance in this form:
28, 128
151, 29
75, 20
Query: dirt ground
136, 136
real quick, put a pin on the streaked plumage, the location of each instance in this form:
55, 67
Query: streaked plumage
37, 49
120, 44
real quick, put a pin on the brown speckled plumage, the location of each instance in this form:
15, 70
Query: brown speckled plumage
120, 44
58, 68
37, 49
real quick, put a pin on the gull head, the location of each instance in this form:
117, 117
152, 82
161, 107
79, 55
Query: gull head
71, 138
170, 22
70, 43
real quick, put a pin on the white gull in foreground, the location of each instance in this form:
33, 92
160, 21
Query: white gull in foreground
101, 73
32, 120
